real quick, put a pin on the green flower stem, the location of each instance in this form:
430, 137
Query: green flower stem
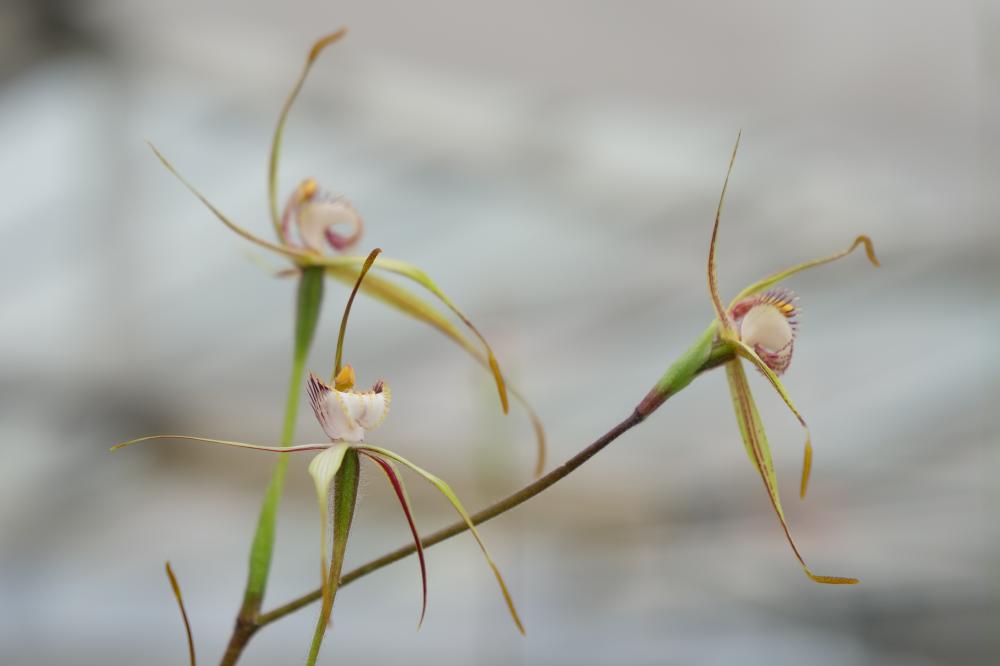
684, 372
345, 498
308, 304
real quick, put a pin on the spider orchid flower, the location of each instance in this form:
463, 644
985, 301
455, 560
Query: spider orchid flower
758, 326
346, 415
325, 220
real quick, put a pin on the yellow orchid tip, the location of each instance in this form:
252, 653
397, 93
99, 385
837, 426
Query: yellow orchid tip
325, 41
832, 580
869, 249
345, 379
307, 189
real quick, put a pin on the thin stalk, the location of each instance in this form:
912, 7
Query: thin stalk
308, 304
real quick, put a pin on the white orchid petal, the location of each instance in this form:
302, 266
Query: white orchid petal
346, 415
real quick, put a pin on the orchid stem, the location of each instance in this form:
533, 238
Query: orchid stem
308, 304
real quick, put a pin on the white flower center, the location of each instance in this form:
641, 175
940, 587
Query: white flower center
766, 326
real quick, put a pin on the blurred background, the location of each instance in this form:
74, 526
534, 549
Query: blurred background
555, 168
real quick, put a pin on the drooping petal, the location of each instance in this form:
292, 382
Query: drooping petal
446, 490
752, 431
771, 280
272, 167
421, 278
397, 485
750, 355
289, 252
411, 304
347, 415
175, 586
225, 442
713, 279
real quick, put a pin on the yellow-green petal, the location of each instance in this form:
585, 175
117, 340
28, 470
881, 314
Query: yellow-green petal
409, 303
749, 354
446, 490
752, 432
279, 130
420, 277
713, 279
774, 279
289, 252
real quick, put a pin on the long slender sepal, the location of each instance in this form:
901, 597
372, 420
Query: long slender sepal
771, 280
343, 497
175, 586
307, 309
420, 277
224, 442
347, 312
713, 279
750, 355
292, 253
446, 490
409, 303
397, 485
279, 130
752, 431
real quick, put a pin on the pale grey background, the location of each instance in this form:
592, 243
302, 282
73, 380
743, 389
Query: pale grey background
555, 167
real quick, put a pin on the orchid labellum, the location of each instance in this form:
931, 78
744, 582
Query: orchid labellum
759, 326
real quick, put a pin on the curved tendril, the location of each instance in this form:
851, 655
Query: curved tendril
446, 490
272, 168
226, 442
775, 278
347, 311
409, 303
713, 280
749, 354
420, 277
281, 249
175, 586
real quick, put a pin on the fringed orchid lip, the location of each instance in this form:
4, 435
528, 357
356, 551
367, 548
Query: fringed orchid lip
760, 326
317, 216
767, 323
345, 414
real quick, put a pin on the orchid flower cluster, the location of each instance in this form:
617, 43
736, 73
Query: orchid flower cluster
758, 326
346, 416
318, 217
313, 222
